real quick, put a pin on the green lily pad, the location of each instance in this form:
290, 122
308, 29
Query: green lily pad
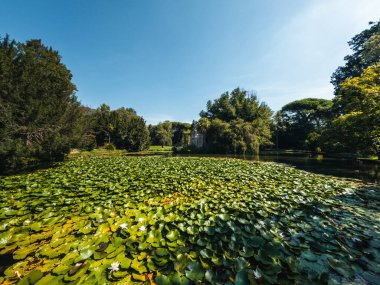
194, 271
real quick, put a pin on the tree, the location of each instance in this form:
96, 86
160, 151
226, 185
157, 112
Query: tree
37, 102
300, 123
180, 132
219, 137
161, 134
240, 104
137, 137
121, 127
103, 127
357, 128
84, 129
236, 123
366, 52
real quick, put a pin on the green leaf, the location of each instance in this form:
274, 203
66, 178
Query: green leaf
162, 280
138, 266
172, 235
194, 271
161, 251
49, 280
31, 278
241, 278
85, 254
36, 227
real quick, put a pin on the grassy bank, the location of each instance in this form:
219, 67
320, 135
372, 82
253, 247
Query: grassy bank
101, 152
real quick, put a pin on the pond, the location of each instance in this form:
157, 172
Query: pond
112, 220
368, 171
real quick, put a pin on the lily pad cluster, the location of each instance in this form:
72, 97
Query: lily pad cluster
154, 220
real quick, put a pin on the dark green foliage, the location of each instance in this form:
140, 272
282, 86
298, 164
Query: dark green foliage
170, 133
355, 127
137, 137
161, 134
180, 131
348, 123
103, 126
39, 110
84, 135
239, 104
109, 146
121, 127
235, 123
365, 47
300, 123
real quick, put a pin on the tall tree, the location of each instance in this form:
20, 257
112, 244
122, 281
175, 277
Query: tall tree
300, 123
120, 121
161, 134
357, 128
121, 127
137, 137
239, 104
365, 47
180, 132
236, 123
38, 104
104, 125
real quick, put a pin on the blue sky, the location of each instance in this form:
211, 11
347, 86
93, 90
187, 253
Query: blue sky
166, 58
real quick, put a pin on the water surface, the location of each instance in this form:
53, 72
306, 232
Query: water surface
368, 171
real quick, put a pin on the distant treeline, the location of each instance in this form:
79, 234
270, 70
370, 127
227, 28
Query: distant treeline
41, 118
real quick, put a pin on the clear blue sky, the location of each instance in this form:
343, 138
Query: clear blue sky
166, 58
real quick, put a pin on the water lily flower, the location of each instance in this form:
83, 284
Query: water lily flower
257, 273
142, 228
123, 226
4, 240
140, 220
114, 267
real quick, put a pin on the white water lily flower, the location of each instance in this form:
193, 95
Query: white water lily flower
142, 228
123, 226
4, 240
114, 267
140, 220
257, 273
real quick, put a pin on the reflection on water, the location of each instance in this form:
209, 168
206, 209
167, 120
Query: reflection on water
349, 168
367, 171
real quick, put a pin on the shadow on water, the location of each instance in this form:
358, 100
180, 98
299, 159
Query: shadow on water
368, 171
349, 168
